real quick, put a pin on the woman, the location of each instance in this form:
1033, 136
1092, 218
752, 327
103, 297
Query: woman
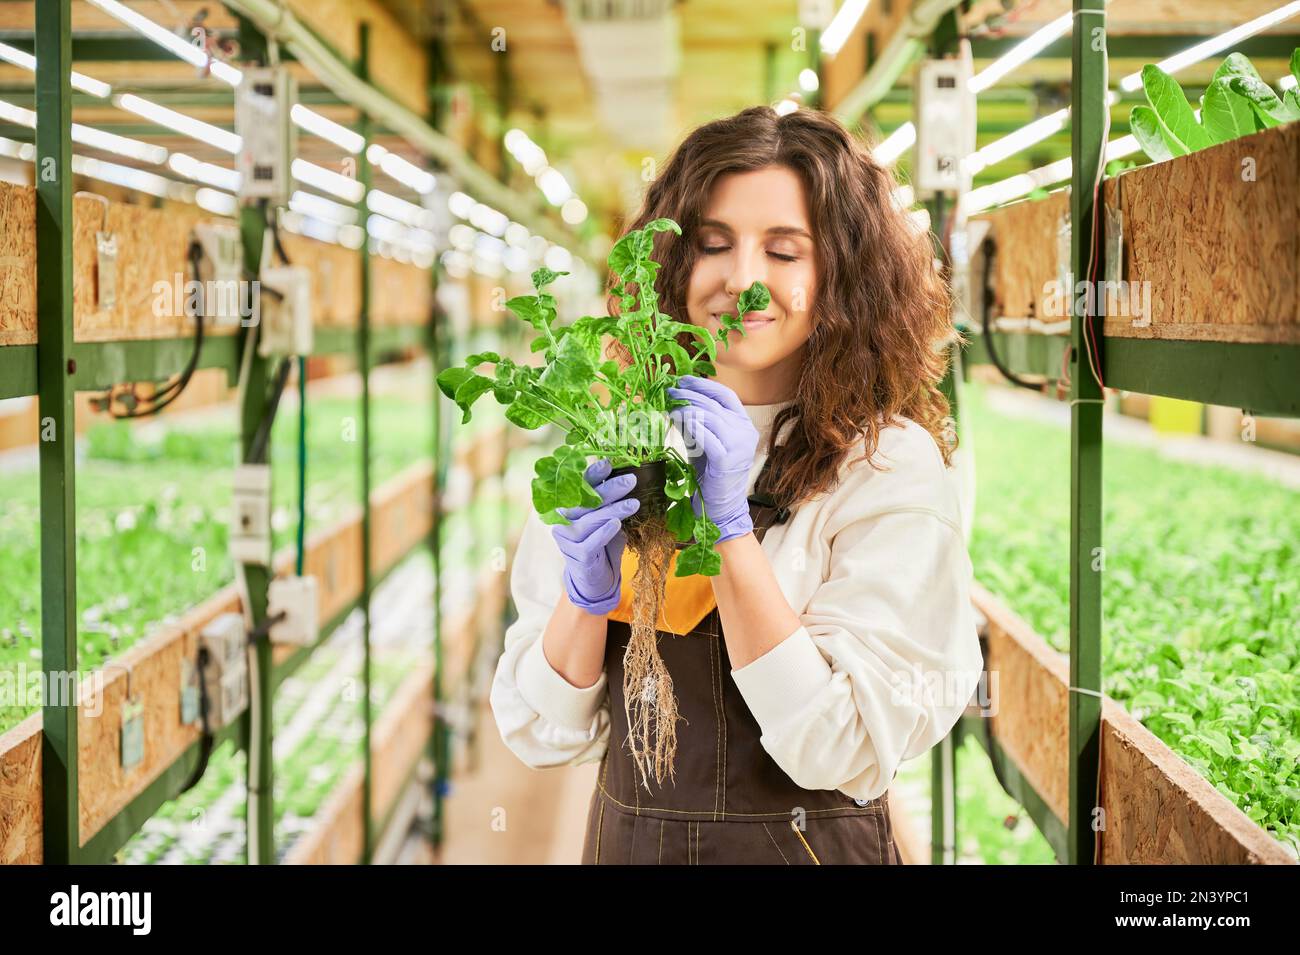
809, 673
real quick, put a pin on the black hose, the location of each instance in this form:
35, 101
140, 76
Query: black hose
257, 448
988, 332
172, 390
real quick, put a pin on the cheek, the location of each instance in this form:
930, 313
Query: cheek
796, 293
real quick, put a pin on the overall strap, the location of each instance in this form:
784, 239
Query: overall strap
761, 498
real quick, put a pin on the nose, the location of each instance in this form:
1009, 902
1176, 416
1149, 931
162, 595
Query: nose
749, 267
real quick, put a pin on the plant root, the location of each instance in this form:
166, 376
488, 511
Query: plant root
648, 699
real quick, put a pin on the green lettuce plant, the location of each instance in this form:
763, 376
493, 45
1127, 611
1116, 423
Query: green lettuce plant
1236, 103
628, 426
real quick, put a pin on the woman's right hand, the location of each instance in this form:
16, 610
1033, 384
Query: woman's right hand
593, 543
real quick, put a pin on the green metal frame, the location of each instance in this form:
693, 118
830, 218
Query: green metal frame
54, 367
1259, 378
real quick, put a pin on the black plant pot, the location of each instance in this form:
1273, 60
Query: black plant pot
649, 490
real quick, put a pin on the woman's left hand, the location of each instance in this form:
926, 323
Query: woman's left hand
721, 442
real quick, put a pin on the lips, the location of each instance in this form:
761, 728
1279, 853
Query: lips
750, 321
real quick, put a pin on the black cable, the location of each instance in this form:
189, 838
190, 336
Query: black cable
988, 332
206, 740
171, 391
261, 438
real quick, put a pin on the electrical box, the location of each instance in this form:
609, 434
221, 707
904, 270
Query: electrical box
285, 311
268, 136
296, 598
945, 127
250, 522
223, 662
221, 272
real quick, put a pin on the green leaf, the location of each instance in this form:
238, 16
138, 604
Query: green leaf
527, 412
698, 559
473, 361
705, 336
561, 482
1291, 99
1146, 130
572, 368
1235, 64
754, 299
706, 532
1271, 110
624, 254
531, 310
470, 391
451, 379
544, 277
1177, 121
680, 519
663, 225
1295, 66
1224, 114
682, 363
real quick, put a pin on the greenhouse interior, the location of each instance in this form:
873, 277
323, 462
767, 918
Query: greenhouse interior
380, 335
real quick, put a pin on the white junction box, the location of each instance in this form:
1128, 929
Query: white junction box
945, 127
285, 311
222, 268
250, 519
296, 598
268, 137
223, 646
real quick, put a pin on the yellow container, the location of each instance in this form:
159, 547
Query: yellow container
1176, 416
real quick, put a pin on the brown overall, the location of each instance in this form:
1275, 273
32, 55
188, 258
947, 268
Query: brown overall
731, 803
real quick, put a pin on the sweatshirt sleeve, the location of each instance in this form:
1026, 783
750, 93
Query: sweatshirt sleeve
544, 719
887, 656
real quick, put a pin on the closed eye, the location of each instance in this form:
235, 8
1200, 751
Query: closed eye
716, 249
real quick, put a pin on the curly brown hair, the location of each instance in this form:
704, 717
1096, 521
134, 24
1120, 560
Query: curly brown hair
882, 311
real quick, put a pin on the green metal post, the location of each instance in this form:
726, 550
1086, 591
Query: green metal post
440, 743
55, 368
440, 738
943, 758
1087, 142
260, 809
363, 361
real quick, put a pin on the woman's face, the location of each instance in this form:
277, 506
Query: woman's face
755, 229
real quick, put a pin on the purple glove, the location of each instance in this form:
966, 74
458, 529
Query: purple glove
720, 442
593, 544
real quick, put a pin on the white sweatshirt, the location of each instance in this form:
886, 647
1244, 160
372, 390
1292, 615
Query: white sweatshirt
884, 663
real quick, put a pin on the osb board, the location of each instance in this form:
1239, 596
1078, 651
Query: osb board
403, 730
1217, 235
151, 248
154, 665
152, 669
17, 264
398, 739
842, 72
401, 515
401, 294
336, 279
20, 794
398, 64
1032, 722
1024, 273
1158, 809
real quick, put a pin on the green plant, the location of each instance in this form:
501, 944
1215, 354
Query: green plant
628, 427
1236, 103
